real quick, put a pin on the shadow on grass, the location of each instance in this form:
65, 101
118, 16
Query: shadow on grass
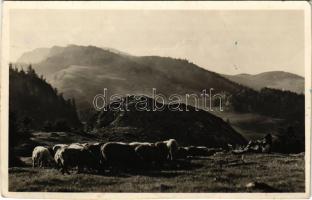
22, 170
119, 174
164, 174
50, 182
240, 164
200, 158
168, 170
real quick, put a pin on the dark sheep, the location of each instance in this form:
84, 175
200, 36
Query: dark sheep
119, 155
74, 156
182, 153
199, 151
163, 150
96, 162
136, 144
150, 155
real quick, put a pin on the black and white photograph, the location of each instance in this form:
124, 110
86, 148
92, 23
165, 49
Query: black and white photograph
169, 98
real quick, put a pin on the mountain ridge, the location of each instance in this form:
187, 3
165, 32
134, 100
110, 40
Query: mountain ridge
83, 71
266, 72
273, 79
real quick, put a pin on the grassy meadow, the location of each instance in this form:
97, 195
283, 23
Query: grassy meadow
250, 125
223, 172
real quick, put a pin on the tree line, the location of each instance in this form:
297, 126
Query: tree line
36, 103
270, 102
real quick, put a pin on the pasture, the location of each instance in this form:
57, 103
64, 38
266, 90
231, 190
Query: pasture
250, 125
223, 172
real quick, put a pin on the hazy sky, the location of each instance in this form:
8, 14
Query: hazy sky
229, 42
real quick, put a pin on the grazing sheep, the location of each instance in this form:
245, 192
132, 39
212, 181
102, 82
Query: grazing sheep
198, 151
58, 146
41, 157
95, 150
149, 154
119, 155
59, 159
136, 144
74, 156
172, 146
163, 150
77, 145
182, 153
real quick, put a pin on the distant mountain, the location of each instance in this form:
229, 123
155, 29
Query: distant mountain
187, 127
274, 79
34, 56
84, 71
35, 102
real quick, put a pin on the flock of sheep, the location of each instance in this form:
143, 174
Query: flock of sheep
113, 155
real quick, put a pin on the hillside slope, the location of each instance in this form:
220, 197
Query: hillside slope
187, 127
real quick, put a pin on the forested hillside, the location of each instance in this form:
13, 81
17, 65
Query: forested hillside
36, 103
271, 102
284, 105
